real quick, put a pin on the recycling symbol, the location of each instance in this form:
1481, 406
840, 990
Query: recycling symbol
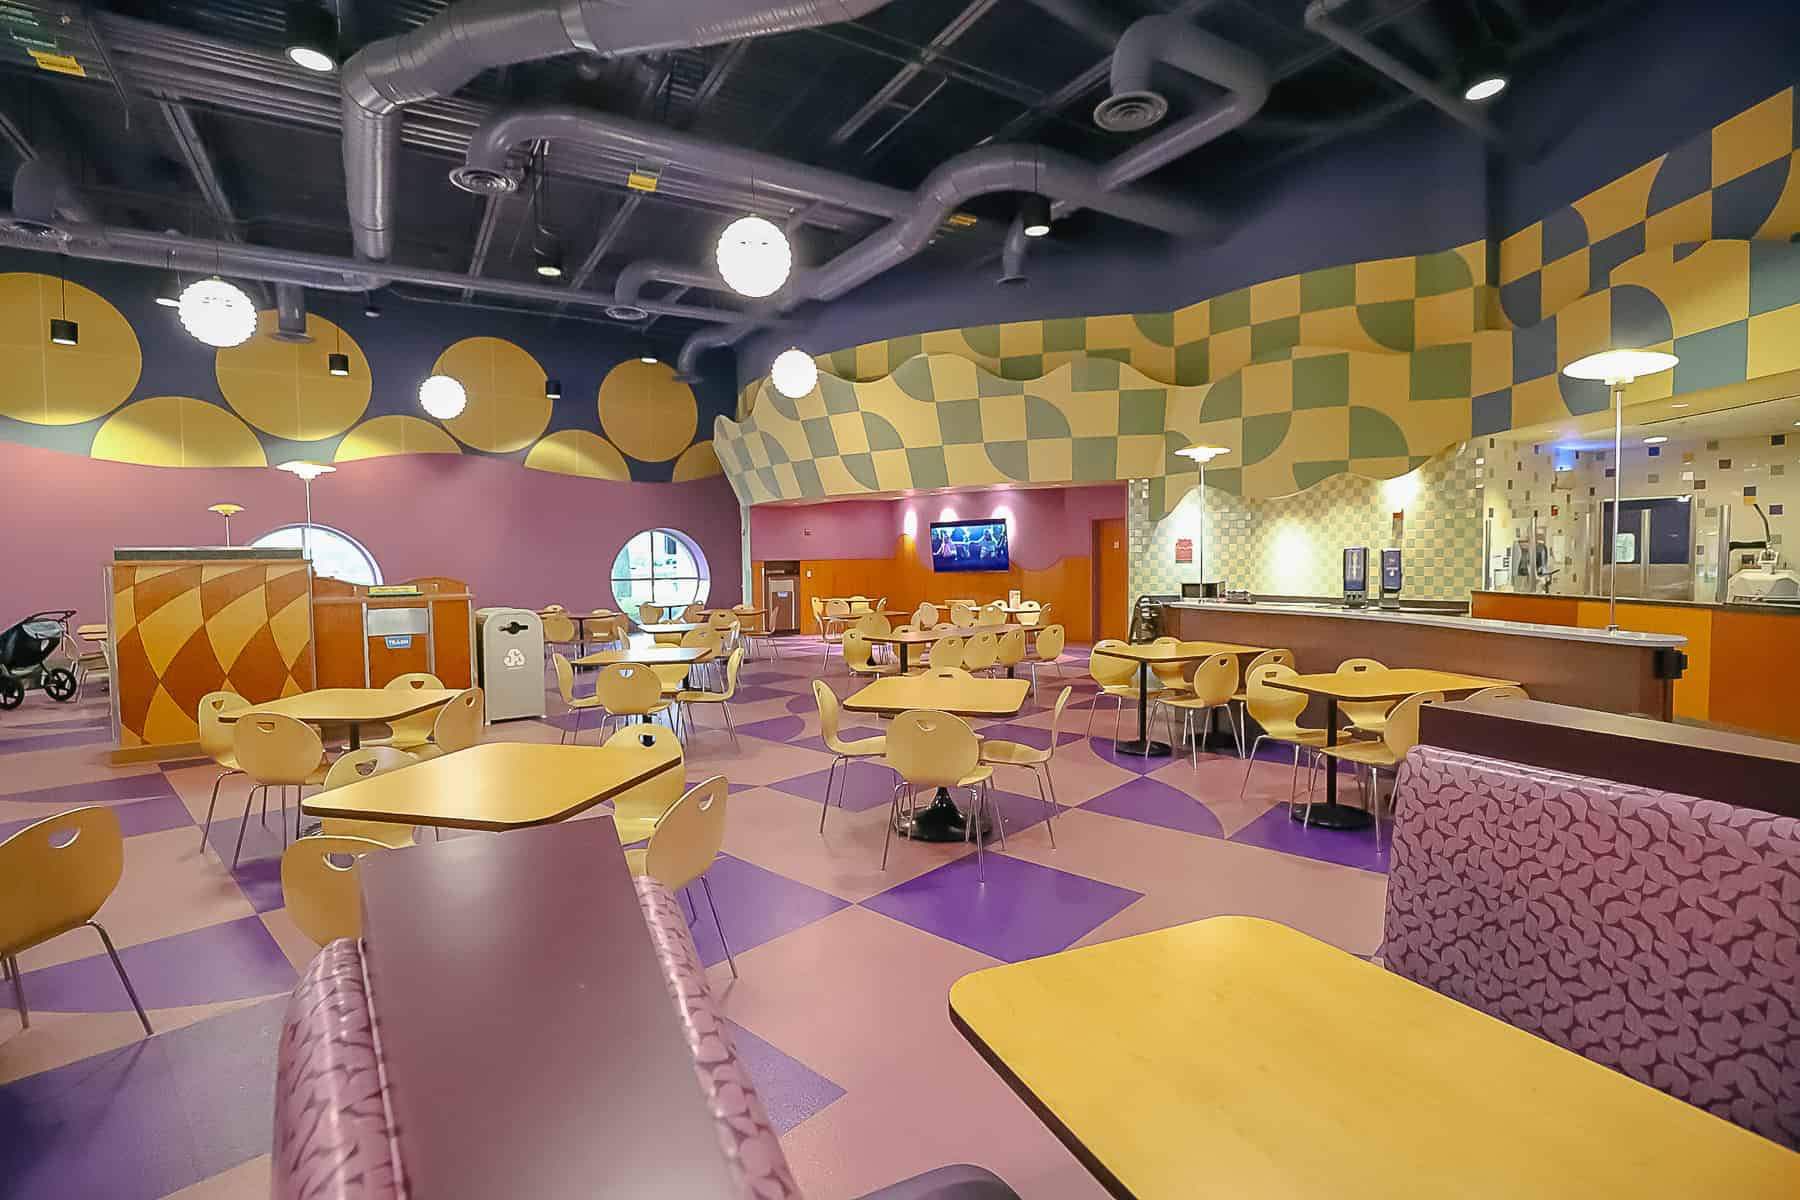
514, 657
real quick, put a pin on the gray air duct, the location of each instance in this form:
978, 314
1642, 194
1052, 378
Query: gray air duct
290, 313
471, 36
629, 286
1012, 254
43, 196
1318, 19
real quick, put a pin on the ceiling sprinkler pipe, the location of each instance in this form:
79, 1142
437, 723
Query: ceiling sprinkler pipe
1318, 19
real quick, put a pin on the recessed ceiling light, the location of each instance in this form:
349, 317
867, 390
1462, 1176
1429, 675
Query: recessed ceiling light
1034, 215
1486, 87
648, 360
1658, 440
312, 34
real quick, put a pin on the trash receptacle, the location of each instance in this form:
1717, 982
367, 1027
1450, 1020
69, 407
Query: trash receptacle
509, 649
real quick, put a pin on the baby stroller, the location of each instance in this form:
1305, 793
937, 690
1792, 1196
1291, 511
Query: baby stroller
25, 648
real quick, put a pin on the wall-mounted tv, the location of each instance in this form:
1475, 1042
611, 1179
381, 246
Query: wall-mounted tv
969, 546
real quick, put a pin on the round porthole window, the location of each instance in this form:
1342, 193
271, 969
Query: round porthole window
662, 567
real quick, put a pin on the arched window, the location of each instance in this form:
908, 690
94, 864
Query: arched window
659, 566
334, 553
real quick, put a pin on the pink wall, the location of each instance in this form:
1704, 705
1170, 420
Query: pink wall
1045, 523
518, 537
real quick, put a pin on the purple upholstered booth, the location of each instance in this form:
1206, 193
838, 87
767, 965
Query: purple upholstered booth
1651, 932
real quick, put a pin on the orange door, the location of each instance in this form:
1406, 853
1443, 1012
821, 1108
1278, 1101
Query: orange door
1109, 578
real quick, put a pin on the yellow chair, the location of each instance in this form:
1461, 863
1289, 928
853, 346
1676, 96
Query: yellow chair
321, 885
999, 753
215, 743
630, 690
1506, 691
860, 606
1048, 653
367, 763
992, 614
925, 616
858, 658
945, 652
1399, 734
685, 843
637, 809
1277, 712
458, 724
754, 630
1010, 651
843, 752
709, 640
692, 612
275, 751
409, 733
1214, 681
881, 605
559, 630
51, 883
837, 616
727, 626
686, 699
981, 651
553, 608
962, 614
1030, 613
1116, 677
818, 612
650, 614
1368, 716
947, 673
1241, 699
937, 750
1171, 676
565, 683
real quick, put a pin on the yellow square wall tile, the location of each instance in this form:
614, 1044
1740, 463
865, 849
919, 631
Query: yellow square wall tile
1051, 460
1474, 254
1142, 455
1446, 318
1181, 408
1021, 337
1536, 401
1755, 136
835, 477
1380, 377
1783, 222
1335, 328
1489, 312
952, 378
1562, 282
1620, 204
1003, 418
1386, 279
1433, 425
1522, 253
1091, 414
851, 435
1319, 433
944, 341
916, 421
1153, 362
1774, 342
893, 470
1689, 221
1228, 352
1192, 322
967, 465
1055, 359
1274, 299
1268, 387
1490, 362
1584, 328
1111, 332
871, 360
786, 484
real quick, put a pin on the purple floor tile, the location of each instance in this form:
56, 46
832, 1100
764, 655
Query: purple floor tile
790, 1090
1275, 830
260, 881
775, 729
850, 733
146, 1119
98, 791
752, 693
1022, 911
802, 705
867, 785
65, 725
53, 741
136, 816
1031, 735
755, 905
1156, 803
231, 961
260, 840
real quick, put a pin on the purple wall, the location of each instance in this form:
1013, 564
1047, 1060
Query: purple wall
519, 537
840, 529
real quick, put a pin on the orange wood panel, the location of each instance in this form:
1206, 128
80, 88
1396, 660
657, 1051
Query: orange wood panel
1511, 606
1693, 691
1755, 661
1111, 605
337, 635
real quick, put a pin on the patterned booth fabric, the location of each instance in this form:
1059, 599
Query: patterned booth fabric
1654, 933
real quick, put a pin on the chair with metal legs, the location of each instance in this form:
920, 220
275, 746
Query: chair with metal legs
321, 885
844, 752
936, 750
366, 763
215, 743
565, 683
1277, 712
684, 844
638, 808
1047, 652
54, 876
998, 753
1400, 733
275, 751
1208, 690
628, 690
1116, 677
693, 701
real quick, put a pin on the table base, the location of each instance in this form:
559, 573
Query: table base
939, 821
1332, 816
1142, 748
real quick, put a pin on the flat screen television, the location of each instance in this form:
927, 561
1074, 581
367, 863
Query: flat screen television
969, 546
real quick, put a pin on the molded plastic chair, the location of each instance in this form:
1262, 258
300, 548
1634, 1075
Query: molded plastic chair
962, 615
51, 884
1369, 716
275, 751
637, 809
215, 743
1048, 653
1277, 711
686, 699
367, 763
945, 652
710, 640
565, 683
980, 651
843, 752
685, 843
857, 656
409, 733
693, 612
1030, 613
1010, 651
754, 630
1115, 677
937, 750
1504, 691
818, 612
322, 894
999, 753
458, 724
837, 616
1214, 681
629, 690
1267, 657
1400, 734
860, 606
926, 615
559, 630
1171, 676
992, 614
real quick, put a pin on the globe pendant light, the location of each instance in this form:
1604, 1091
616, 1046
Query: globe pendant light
794, 373
217, 312
754, 257
443, 397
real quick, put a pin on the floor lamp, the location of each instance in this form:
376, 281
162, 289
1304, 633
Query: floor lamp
227, 511
307, 471
1201, 456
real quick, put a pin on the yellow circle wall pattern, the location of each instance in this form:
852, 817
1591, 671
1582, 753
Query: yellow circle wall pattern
47, 384
177, 431
578, 452
697, 462
507, 406
395, 434
646, 411
287, 389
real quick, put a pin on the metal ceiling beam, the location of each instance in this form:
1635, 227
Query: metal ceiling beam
721, 70
15, 137
885, 94
484, 239
201, 168
604, 243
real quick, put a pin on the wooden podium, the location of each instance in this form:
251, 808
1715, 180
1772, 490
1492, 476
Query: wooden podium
366, 636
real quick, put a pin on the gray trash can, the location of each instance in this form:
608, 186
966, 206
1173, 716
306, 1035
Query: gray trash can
509, 650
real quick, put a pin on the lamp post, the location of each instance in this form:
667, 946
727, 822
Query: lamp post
1616, 368
307, 471
1202, 454
227, 511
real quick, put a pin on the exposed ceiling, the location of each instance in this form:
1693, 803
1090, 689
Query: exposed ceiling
185, 116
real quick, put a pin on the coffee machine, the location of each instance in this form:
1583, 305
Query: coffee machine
1391, 578
1356, 576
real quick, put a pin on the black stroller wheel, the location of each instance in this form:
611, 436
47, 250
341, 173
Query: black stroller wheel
12, 693
59, 684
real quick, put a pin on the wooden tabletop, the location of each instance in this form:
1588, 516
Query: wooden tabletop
351, 706
1394, 683
738, 612
646, 656
527, 1037
962, 697
673, 626
916, 637
1238, 1057
496, 785
1185, 652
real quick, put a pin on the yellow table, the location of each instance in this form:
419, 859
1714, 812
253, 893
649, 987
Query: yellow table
647, 656
668, 627
1387, 683
905, 641
1147, 656
497, 785
352, 707
1188, 1062
963, 697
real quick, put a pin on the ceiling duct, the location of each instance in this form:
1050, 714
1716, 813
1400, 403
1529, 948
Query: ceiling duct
471, 36
43, 196
628, 287
290, 314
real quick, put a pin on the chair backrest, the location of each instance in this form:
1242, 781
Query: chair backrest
837, 608
908, 628
1050, 642
945, 652
458, 724
829, 714
1361, 664
856, 649
1030, 612
818, 609
703, 639
992, 614
628, 689
1506, 691
943, 627
1283, 658
650, 614
550, 608
215, 735
414, 681
962, 614
859, 605
276, 750
657, 794
931, 749
321, 886
980, 651
689, 836
875, 622
1056, 714
565, 678
732, 666
881, 605
1011, 649
1270, 705
1105, 669
558, 628
722, 622
51, 882
1215, 679
926, 615
365, 763
949, 673
1401, 733
693, 612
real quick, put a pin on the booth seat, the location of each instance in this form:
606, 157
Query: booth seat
334, 1136
1652, 932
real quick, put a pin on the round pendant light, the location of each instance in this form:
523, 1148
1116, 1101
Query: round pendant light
443, 397
754, 257
217, 312
312, 34
794, 373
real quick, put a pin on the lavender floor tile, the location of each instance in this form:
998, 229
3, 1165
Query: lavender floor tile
849, 733
1031, 735
1156, 803
98, 791
790, 1090
231, 961
866, 785
135, 816
754, 905
1276, 830
148, 1118
260, 881
54, 741
775, 729
1022, 911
